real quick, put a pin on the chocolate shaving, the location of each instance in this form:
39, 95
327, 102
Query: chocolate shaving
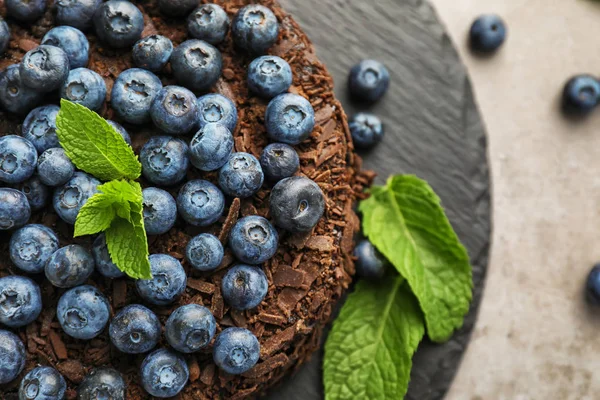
272, 319
320, 243
267, 366
119, 293
277, 341
323, 115
230, 220
58, 346
201, 286
208, 375
72, 370
194, 369
286, 276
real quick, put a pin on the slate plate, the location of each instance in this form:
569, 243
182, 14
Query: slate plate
433, 130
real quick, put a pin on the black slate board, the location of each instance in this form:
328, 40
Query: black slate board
433, 130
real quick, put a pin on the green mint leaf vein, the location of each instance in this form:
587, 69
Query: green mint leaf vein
95, 216
93, 145
407, 224
368, 354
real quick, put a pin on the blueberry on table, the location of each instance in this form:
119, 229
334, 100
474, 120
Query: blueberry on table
18, 159
370, 263
196, 65
236, 350
244, 286
69, 266
253, 240
279, 161
218, 109
72, 41
174, 110
241, 176
4, 36
164, 373
168, 280
69, 198
102, 382
177, 8
487, 33
31, 246
104, 264
581, 94
255, 28
76, 13
40, 127
289, 118
20, 301
592, 286
269, 76
36, 192
204, 252
160, 211
15, 96
164, 160
83, 312
211, 147
297, 204
14, 209
118, 23
12, 356
368, 81
152, 52
366, 129
200, 203
43, 383
85, 87
208, 22
54, 167
190, 328
25, 10
121, 131
132, 95
135, 329
44, 68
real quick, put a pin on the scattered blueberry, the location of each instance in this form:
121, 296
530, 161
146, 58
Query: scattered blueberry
196, 64
177, 8
43, 383
592, 287
102, 259
269, 76
279, 161
69, 266
83, 312
297, 204
581, 94
101, 384
135, 329
72, 41
208, 22
152, 52
211, 147
253, 240
69, 198
244, 286
25, 10
241, 176
31, 246
370, 263
487, 33
204, 252
4, 36
14, 95
255, 28
289, 119
12, 356
20, 301
14, 209
164, 160
200, 203
174, 110
45, 68
164, 373
121, 131
36, 192
168, 280
236, 350
84, 86
40, 127
369, 80
118, 23
76, 13
132, 94
18, 158
190, 328
160, 211
366, 130
218, 109
54, 167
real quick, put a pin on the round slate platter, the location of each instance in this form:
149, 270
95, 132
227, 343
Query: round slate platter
433, 130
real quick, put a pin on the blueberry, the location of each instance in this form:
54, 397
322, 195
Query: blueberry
18, 158
69, 266
72, 41
366, 130
236, 350
54, 167
369, 80
135, 329
84, 86
164, 373
297, 204
102, 259
14, 209
31, 246
269, 76
289, 119
14, 95
370, 263
196, 64
177, 8
152, 52
204, 252
12, 356
581, 94
168, 280
132, 94
4, 36
160, 211
164, 160
253, 240
45, 68
76, 13
216, 108
25, 10
592, 287
102, 383
40, 127
255, 28
69, 198
43, 383
174, 110
487, 33
244, 286
20, 301
241, 176
83, 312
211, 147
121, 131
209, 22
200, 203
279, 161
36, 192
190, 328
118, 23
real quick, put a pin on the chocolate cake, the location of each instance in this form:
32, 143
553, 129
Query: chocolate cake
307, 275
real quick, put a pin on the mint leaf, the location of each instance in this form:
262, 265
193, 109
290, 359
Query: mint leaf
95, 216
368, 354
407, 224
93, 145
